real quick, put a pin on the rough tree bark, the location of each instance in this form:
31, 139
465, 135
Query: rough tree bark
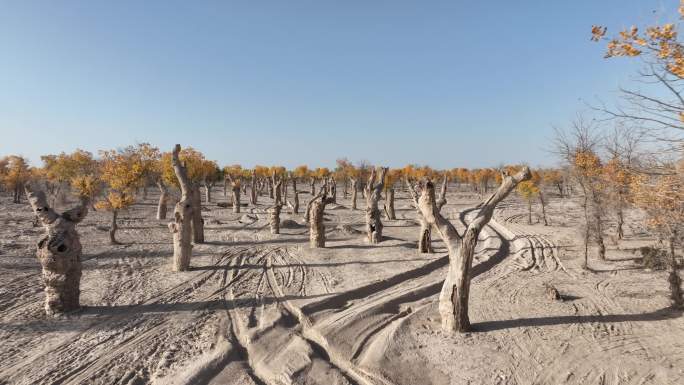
425, 236
235, 188
59, 252
253, 190
373, 193
315, 216
274, 212
598, 224
389, 205
355, 191
543, 205
113, 228
181, 227
197, 220
313, 186
207, 191
453, 299
294, 204
163, 198
673, 278
345, 191
331, 186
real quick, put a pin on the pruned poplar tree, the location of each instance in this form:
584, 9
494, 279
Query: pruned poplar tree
181, 227
453, 299
331, 185
274, 212
163, 199
59, 252
312, 185
294, 203
390, 180
373, 194
355, 191
210, 175
235, 188
425, 236
315, 216
253, 189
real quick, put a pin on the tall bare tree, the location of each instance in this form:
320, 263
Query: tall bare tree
373, 194
453, 299
181, 227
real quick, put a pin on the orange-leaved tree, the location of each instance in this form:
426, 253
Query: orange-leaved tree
122, 171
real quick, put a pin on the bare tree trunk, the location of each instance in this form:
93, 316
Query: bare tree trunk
598, 225
163, 198
295, 198
543, 207
620, 217
181, 227
207, 192
453, 299
59, 252
113, 228
332, 187
197, 221
529, 211
225, 186
425, 237
373, 192
144, 188
236, 198
355, 192
587, 230
345, 192
253, 191
315, 216
425, 240
313, 186
673, 278
274, 212
389, 205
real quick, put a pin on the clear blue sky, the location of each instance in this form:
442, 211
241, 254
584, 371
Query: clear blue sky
445, 83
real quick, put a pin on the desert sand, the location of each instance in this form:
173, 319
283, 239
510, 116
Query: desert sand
257, 308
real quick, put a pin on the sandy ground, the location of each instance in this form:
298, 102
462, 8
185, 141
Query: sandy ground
262, 309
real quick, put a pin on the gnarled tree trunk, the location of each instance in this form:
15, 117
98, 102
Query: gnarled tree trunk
543, 206
373, 192
313, 186
453, 299
163, 198
274, 212
425, 236
59, 252
355, 192
389, 204
181, 227
253, 191
315, 217
294, 204
207, 191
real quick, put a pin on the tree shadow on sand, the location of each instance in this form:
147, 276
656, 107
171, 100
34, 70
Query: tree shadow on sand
658, 315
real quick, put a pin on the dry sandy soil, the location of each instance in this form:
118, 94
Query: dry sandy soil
262, 309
